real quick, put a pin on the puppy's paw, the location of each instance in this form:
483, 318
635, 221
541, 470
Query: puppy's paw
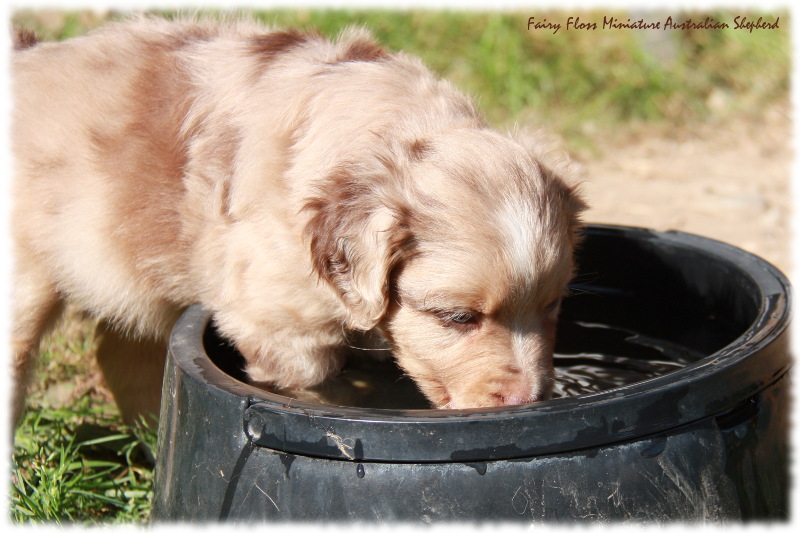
279, 370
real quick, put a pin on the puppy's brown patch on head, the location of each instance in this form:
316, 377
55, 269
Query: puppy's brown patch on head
363, 50
269, 46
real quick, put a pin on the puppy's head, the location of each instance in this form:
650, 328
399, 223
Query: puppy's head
459, 248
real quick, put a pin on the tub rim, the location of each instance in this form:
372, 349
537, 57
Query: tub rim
751, 362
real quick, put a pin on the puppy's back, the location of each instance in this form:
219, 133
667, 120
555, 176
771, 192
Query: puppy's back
98, 158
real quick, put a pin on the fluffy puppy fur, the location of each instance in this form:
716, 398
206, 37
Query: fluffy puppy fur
298, 188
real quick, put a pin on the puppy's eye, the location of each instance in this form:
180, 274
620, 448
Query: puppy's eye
461, 318
552, 306
458, 319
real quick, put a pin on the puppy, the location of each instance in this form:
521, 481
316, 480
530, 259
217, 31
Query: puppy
300, 189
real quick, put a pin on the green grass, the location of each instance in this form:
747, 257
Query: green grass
78, 464
579, 85
74, 460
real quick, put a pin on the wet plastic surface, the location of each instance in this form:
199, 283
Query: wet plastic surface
708, 441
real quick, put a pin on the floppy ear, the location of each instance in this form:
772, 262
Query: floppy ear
356, 235
559, 176
571, 200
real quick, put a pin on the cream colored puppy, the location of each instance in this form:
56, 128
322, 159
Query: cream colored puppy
299, 189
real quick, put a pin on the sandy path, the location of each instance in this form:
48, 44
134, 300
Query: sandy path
731, 184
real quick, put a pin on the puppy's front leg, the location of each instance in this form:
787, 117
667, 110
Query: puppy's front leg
287, 362
133, 370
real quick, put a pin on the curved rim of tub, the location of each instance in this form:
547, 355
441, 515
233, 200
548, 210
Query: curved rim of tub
717, 384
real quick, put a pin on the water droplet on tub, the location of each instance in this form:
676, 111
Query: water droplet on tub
360, 470
654, 448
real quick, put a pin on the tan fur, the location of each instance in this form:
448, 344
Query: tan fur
296, 187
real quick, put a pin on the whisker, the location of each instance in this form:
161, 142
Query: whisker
349, 343
352, 347
574, 290
577, 285
586, 277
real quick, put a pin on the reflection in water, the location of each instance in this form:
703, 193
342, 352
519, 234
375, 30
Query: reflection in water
619, 357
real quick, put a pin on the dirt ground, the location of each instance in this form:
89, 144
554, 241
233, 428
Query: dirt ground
731, 183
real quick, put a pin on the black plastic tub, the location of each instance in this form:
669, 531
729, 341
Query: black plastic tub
705, 441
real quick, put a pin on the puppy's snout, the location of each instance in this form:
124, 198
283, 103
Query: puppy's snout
520, 395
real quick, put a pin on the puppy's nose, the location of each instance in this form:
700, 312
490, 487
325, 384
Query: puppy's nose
518, 400
520, 395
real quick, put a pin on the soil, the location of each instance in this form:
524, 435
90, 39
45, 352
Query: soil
730, 182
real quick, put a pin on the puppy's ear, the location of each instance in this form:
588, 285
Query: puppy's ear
356, 234
559, 175
568, 194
